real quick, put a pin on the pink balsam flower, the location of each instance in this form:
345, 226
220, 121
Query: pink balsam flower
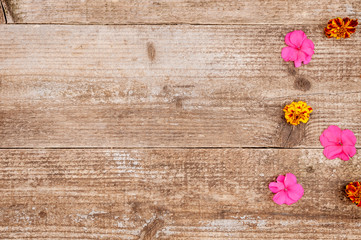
338, 143
287, 189
300, 49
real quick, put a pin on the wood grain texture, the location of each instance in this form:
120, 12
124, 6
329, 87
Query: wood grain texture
182, 11
2, 14
6, 15
173, 194
170, 86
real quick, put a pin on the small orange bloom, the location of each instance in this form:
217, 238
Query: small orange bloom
340, 28
297, 112
353, 191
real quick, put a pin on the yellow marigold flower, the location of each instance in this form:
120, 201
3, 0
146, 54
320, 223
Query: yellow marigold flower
340, 28
353, 191
297, 112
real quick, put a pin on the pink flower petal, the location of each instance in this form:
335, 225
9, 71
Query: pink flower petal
333, 134
350, 151
307, 43
348, 138
290, 201
343, 156
307, 51
280, 198
290, 180
288, 41
298, 64
275, 187
295, 192
281, 178
289, 54
332, 152
324, 141
301, 56
307, 60
297, 37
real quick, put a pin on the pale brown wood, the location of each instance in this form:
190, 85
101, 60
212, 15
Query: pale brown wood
182, 11
173, 194
154, 131
170, 86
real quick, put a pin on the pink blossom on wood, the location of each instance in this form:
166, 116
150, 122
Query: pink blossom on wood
300, 49
338, 143
287, 190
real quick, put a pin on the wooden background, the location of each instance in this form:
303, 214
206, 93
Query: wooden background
141, 119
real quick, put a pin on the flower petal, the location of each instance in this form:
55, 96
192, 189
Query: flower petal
289, 54
295, 192
275, 187
332, 23
289, 201
307, 60
280, 198
298, 64
348, 138
333, 134
353, 23
346, 21
290, 180
281, 178
351, 30
307, 43
301, 56
307, 50
324, 141
343, 156
350, 151
339, 22
332, 152
288, 41
297, 37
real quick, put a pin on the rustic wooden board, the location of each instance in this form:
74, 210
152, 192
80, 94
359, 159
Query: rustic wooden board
173, 194
170, 86
181, 11
6, 12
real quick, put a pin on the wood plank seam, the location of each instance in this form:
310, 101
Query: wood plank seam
160, 148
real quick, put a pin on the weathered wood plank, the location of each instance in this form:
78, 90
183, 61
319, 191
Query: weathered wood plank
171, 86
182, 11
5, 12
173, 194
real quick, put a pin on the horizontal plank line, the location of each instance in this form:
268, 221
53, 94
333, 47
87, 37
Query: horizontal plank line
140, 148
167, 24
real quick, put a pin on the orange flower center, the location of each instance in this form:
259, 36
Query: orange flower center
341, 31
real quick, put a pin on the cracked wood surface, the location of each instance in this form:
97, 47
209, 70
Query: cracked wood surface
170, 86
6, 15
182, 11
173, 194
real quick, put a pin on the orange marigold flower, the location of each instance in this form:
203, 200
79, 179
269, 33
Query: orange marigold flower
353, 191
297, 112
341, 28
